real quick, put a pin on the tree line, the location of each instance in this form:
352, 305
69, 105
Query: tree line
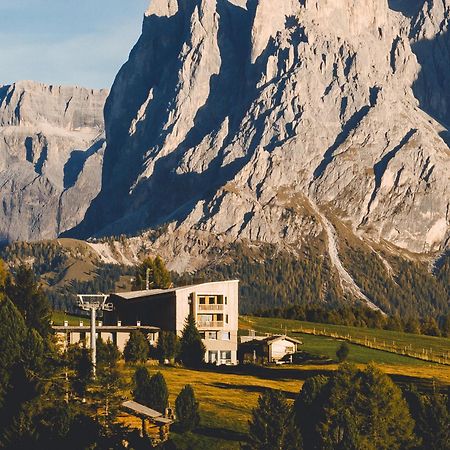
359, 315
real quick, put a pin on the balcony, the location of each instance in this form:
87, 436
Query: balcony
211, 307
209, 324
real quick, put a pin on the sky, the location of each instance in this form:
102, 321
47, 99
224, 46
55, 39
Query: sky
70, 42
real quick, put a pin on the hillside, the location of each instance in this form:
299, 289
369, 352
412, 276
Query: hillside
269, 278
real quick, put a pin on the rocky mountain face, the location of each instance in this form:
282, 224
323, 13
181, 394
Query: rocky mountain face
311, 126
51, 154
270, 120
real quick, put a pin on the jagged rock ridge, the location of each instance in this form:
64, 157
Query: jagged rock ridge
51, 154
235, 120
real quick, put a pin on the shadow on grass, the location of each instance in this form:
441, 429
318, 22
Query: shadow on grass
221, 433
268, 373
214, 432
250, 388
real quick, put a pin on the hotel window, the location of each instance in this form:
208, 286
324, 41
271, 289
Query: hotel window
202, 300
226, 318
220, 300
212, 335
226, 335
202, 334
226, 300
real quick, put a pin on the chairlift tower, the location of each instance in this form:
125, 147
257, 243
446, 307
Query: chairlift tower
93, 303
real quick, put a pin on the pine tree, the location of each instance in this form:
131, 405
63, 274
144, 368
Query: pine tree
107, 353
192, 349
187, 409
168, 346
81, 364
157, 393
31, 301
432, 419
272, 426
137, 348
151, 391
141, 382
355, 410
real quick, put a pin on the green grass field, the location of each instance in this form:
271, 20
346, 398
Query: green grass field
59, 317
227, 395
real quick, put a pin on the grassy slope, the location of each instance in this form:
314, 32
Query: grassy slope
419, 342
59, 317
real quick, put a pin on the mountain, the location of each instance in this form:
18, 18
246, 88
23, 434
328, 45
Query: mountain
51, 154
261, 120
243, 131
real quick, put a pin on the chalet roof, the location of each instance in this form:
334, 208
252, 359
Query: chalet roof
154, 292
271, 339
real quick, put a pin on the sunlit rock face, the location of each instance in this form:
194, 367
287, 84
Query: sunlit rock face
51, 154
237, 119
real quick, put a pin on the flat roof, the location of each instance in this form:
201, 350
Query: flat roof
105, 328
152, 292
141, 410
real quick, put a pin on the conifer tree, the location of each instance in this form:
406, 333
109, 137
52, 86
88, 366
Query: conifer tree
168, 345
137, 348
187, 409
151, 391
30, 299
192, 349
141, 382
272, 425
157, 393
356, 410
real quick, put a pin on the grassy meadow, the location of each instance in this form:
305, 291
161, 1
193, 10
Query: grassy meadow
227, 395
414, 342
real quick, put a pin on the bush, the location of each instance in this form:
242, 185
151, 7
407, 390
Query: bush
342, 352
187, 409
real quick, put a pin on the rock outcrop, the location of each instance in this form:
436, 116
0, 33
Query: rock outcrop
51, 155
235, 120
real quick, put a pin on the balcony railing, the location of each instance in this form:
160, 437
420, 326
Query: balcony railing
210, 324
210, 307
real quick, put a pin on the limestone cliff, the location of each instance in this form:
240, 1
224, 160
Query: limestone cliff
51, 153
260, 120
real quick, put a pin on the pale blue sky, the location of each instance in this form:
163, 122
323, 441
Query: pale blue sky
82, 42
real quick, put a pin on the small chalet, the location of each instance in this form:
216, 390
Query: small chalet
267, 349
